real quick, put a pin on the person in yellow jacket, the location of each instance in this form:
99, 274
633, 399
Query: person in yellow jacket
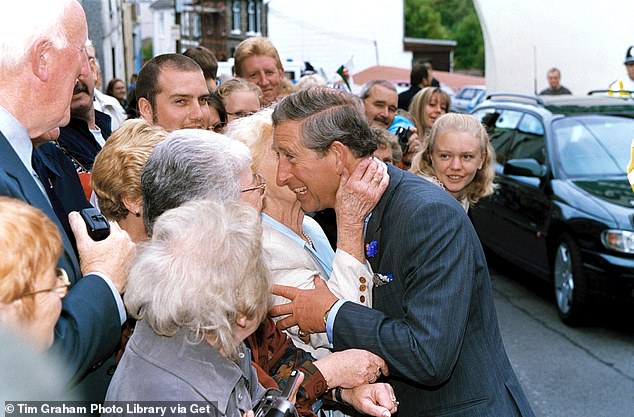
625, 87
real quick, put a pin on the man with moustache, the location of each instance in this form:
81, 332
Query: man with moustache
43, 44
172, 92
380, 101
88, 129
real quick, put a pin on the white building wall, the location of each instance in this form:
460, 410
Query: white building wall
112, 63
327, 33
585, 39
163, 41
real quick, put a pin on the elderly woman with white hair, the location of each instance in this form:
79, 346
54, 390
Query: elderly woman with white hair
193, 165
295, 245
195, 310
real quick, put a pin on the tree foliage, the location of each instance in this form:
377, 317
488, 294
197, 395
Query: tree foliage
448, 19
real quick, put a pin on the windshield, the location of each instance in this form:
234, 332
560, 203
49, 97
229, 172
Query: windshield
593, 145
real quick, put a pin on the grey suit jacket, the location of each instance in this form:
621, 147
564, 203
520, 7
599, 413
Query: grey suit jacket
435, 322
89, 327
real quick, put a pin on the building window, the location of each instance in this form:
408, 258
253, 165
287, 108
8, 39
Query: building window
258, 17
236, 16
252, 17
196, 25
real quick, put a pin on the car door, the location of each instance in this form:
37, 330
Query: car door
523, 204
488, 212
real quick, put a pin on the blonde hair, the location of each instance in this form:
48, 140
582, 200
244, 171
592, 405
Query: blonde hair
420, 100
117, 170
30, 245
312, 80
251, 47
235, 85
254, 131
201, 276
482, 185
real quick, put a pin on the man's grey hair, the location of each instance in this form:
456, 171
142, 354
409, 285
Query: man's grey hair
326, 115
191, 164
366, 90
24, 22
201, 270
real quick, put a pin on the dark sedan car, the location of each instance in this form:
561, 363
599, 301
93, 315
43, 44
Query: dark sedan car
564, 209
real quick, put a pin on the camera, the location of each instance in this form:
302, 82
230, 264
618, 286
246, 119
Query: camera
97, 225
276, 404
403, 134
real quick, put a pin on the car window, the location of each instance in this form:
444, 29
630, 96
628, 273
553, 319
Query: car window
593, 145
528, 140
508, 119
468, 93
531, 124
500, 125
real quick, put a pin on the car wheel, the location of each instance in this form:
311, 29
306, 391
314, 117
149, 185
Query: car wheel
569, 282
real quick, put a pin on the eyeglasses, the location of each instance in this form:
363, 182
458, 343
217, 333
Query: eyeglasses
241, 114
61, 284
261, 184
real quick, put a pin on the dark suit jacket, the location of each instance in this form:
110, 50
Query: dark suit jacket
77, 140
89, 327
435, 322
405, 98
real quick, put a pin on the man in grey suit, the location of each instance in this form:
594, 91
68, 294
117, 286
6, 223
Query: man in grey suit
43, 53
433, 319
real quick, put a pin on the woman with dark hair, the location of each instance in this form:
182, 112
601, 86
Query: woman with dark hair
116, 89
218, 119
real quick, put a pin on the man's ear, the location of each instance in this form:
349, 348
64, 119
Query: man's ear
145, 109
341, 154
40, 59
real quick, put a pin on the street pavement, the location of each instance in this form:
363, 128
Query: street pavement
565, 372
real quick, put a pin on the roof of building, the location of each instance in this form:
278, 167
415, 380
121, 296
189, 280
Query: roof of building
401, 76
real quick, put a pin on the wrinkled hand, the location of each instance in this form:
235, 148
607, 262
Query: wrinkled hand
372, 399
111, 256
357, 195
307, 307
359, 192
351, 368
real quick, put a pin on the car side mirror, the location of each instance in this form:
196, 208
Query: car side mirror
525, 168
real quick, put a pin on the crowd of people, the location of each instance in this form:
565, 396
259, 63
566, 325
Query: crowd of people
221, 274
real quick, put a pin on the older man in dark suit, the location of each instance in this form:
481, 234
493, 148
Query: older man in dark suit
433, 320
43, 44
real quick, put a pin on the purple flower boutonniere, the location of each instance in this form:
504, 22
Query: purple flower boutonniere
371, 249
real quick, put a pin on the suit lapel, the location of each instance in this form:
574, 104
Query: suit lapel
373, 231
33, 195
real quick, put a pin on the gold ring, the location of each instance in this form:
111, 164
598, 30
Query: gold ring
302, 333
